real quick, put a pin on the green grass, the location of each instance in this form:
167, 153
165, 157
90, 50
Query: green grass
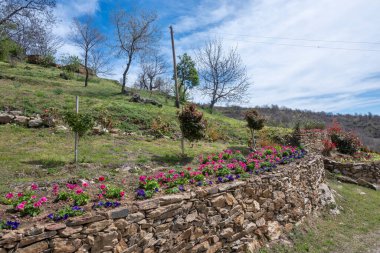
356, 229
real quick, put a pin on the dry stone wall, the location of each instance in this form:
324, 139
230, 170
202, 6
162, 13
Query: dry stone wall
239, 216
365, 174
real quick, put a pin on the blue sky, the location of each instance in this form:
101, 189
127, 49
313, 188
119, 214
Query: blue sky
317, 55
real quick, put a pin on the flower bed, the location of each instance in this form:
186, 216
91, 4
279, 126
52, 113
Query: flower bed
58, 202
218, 168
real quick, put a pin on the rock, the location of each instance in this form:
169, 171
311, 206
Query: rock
327, 198
105, 241
135, 217
230, 200
215, 248
5, 118
218, 202
260, 222
117, 213
70, 230
274, 230
48, 121
227, 232
34, 248
60, 245
16, 113
21, 120
35, 230
204, 246
346, 179
61, 128
147, 204
35, 238
192, 216
84, 219
35, 123
97, 227
364, 183
252, 246
175, 198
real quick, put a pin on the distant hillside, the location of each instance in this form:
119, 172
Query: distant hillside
366, 126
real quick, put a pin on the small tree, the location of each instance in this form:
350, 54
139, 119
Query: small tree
192, 124
254, 122
187, 75
79, 123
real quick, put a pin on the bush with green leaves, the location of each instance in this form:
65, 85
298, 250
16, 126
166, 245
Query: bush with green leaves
192, 124
79, 122
9, 49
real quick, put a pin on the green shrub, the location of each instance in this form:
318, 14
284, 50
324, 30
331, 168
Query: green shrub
9, 49
79, 122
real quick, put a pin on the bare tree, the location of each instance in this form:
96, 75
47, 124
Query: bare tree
12, 11
223, 74
152, 66
29, 24
87, 38
135, 33
99, 62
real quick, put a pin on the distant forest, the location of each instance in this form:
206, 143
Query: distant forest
366, 126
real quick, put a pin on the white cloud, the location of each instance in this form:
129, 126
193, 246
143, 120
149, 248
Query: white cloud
287, 75
65, 11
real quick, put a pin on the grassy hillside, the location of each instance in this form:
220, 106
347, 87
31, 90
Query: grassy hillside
367, 127
35, 154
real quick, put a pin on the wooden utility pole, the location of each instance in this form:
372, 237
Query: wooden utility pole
176, 85
76, 133
175, 69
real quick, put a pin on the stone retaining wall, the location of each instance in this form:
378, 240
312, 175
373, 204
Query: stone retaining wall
313, 139
239, 216
362, 173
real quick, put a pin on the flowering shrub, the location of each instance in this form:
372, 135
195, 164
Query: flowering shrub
9, 225
328, 146
66, 212
345, 142
26, 203
76, 193
218, 168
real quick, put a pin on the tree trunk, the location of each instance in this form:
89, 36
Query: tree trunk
125, 74
212, 106
86, 69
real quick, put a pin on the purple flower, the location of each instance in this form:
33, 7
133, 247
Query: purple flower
199, 183
76, 208
210, 182
50, 216
108, 204
220, 179
237, 176
181, 188
116, 204
141, 193
65, 216
230, 177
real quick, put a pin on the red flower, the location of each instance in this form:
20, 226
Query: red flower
101, 178
102, 186
122, 193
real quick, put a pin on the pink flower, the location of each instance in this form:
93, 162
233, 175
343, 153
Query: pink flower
20, 194
43, 199
9, 195
171, 171
100, 196
79, 191
21, 206
34, 187
85, 184
142, 178
102, 186
37, 204
102, 178
33, 197
71, 186
122, 193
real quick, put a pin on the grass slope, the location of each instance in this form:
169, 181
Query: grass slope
356, 229
40, 154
